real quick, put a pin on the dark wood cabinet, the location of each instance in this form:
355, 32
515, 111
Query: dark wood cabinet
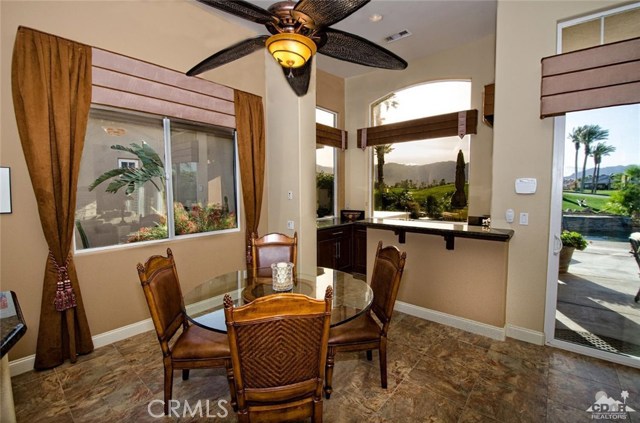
334, 248
359, 249
343, 247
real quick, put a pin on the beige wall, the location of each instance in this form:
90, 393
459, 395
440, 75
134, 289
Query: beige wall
174, 34
526, 32
473, 61
330, 94
292, 162
467, 282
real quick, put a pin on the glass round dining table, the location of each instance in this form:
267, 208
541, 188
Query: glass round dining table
352, 296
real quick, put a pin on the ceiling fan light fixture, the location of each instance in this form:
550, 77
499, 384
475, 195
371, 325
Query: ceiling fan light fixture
291, 50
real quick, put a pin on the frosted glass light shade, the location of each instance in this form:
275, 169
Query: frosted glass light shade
291, 50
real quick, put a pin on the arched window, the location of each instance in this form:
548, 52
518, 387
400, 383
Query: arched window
417, 179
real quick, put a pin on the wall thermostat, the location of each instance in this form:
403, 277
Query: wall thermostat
526, 185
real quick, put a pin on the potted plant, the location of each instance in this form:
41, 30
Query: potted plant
571, 241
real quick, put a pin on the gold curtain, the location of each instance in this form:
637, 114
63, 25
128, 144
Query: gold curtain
51, 84
251, 152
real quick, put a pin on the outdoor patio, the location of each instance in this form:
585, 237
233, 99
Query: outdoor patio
596, 298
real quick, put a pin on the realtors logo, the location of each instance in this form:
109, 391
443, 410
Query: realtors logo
608, 408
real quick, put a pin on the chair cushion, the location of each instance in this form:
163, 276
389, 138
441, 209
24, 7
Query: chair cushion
360, 329
199, 343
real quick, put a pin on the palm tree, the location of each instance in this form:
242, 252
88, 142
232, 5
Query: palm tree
389, 102
133, 178
575, 137
601, 149
380, 151
590, 134
587, 135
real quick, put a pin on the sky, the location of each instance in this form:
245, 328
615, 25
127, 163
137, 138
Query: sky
623, 123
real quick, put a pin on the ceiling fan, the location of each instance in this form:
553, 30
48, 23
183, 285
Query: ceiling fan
299, 30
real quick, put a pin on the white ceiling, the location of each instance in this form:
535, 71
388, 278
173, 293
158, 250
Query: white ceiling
435, 25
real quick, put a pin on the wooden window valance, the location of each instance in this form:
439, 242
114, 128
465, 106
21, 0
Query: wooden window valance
601, 76
447, 125
332, 137
124, 82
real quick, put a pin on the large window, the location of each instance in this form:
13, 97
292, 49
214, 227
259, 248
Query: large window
326, 169
123, 190
418, 179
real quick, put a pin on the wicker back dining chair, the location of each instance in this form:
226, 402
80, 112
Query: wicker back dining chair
278, 350
364, 333
194, 347
273, 248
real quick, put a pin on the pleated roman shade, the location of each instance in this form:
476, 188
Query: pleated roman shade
447, 125
601, 76
332, 137
127, 83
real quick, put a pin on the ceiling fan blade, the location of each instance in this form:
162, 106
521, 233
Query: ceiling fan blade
242, 9
352, 48
298, 78
326, 13
229, 54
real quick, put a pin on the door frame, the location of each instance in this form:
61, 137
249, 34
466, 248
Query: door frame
555, 222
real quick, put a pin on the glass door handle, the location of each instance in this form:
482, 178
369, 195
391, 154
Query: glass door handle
557, 244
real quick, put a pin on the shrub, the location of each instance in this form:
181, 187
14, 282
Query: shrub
573, 239
212, 217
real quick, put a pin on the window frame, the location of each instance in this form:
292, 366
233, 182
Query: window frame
335, 166
371, 154
166, 129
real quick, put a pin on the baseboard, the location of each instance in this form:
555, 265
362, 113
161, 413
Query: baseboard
524, 334
25, 364
468, 325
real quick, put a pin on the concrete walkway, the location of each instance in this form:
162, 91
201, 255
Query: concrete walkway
595, 298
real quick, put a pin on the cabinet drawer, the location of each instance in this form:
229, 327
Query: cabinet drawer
334, 233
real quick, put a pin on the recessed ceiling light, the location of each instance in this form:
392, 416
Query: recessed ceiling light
375, 17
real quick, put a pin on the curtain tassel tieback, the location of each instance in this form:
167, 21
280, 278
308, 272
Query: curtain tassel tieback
65, 298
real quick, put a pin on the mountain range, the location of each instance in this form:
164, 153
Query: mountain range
609, 170
427, 173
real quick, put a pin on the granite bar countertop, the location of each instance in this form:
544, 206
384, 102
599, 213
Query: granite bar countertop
331, 223
449, 230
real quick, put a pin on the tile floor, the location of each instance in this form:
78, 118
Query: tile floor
595, 299
436, 374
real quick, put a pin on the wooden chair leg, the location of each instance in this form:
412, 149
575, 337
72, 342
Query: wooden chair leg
369, 355
383, 362
232, 387
317, 411
243, 417
185, 374
168, 385
328, 377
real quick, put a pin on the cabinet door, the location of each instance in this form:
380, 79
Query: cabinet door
360, 250
334, 248
343, 256
326, 253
